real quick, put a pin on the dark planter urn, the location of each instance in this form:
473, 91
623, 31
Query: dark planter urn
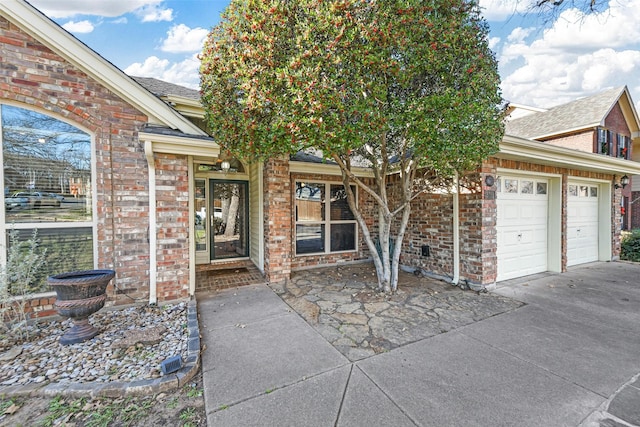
79, 295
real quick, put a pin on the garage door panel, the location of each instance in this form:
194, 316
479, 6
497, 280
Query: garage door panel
521, 227
582, 223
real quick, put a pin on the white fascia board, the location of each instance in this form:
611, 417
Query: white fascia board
186, 106
515, 148
630, 106
326, 169
64, 44
180, 145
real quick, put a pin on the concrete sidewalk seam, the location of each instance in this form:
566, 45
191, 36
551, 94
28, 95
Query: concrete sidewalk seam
282, 387
405, 413
273, 316
344, 395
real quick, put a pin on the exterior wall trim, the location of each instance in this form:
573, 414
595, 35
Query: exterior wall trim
325, 169
153, 227
181, 145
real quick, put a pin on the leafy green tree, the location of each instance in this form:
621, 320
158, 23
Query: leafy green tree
407, 87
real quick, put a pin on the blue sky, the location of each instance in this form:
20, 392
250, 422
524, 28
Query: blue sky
542, 62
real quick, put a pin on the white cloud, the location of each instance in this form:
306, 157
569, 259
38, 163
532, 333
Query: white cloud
181, 38
122, 20
518, 34
577, 56
493, 42
107, 8
78, 27
498, 10
154, 13
613, 28
184, 73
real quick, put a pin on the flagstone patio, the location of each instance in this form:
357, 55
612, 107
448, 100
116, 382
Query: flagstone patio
343, 305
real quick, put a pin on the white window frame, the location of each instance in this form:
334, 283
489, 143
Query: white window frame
92, 224
327, 222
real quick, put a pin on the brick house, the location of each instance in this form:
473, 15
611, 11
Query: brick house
605, 123
149, 194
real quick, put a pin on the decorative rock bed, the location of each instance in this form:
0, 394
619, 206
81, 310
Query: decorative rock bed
121, 355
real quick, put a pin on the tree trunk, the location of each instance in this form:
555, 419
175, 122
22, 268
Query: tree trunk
232, 214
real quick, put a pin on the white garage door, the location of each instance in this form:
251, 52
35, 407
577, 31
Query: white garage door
582, 223
521, 225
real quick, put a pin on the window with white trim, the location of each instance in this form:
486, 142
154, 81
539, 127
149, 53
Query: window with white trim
604, 141
324, 221
623, 146
47, 180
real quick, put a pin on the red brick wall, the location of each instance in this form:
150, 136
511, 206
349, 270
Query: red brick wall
277, 220
32, 76
430, 224
172, 215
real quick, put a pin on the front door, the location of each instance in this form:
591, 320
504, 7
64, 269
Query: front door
228, 219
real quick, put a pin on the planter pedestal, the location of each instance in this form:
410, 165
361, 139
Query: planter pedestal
79, 295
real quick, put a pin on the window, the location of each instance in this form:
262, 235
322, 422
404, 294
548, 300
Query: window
511, 185
604, 141
573, 190
541, 188
48, 187
623, 146
324, 221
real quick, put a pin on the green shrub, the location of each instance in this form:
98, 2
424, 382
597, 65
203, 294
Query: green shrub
18, 278
630, 250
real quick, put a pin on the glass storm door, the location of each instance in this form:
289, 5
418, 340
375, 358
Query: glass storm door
228, 219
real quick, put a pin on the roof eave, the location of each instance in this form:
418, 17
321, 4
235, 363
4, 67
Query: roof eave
515, 148
186, 106
183, 145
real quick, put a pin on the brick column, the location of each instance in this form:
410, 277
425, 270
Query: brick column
488, 234
277, 220
172, 215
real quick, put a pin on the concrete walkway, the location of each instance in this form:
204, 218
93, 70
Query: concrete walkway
570, 356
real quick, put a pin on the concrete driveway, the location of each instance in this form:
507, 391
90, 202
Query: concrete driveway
570, 356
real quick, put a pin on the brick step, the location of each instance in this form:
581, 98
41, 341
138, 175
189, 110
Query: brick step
222, 276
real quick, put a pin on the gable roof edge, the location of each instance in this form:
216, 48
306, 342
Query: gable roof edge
631, 106
69, 47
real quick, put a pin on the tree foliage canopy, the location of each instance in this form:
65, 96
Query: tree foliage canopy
400, 85
376, 78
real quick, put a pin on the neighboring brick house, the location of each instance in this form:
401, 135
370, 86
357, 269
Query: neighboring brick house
605, 123
149, 194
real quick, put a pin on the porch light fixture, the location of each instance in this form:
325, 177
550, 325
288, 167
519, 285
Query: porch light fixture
623, 182
225, 166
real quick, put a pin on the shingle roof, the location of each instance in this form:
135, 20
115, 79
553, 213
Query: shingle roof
161, 88
167, 131
578, 114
